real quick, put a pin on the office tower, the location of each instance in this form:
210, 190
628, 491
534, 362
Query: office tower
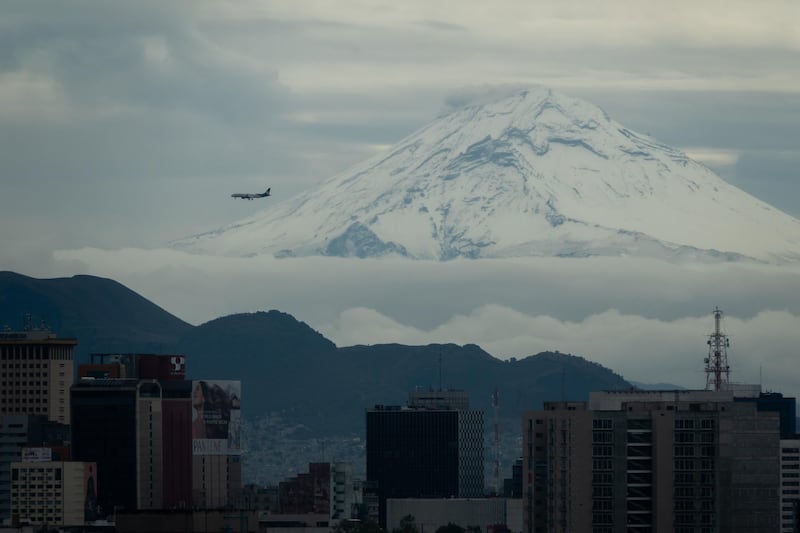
790, 485
428, 449
36, 371
187, 434
52, 493
117, 423
655, 461
176, 412
18, 435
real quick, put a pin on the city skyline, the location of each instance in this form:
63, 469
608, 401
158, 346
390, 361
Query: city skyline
128, 126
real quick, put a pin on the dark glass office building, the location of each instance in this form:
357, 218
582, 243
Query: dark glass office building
116, 423
415, 452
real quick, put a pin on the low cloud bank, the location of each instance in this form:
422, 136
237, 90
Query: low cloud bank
644, 318
641, 349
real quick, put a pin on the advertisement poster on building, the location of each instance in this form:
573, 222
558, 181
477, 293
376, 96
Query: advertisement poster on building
216, 417
90, 507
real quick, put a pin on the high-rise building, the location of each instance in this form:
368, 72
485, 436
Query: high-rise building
160, 441
36, 372
117, 423
52, 493
790, 485
655, 461
427, 449
18, 435
176, 412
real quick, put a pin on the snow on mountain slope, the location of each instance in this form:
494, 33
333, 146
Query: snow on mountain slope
536, 173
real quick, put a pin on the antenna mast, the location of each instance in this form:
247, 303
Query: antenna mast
717, 369
440, 370
496, 443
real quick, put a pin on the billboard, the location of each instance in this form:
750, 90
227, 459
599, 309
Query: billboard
216, 417
90, 507
36, 455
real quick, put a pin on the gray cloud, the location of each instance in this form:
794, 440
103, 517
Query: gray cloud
644, 318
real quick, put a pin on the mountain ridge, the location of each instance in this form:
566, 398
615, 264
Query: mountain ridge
103, 314
286, 366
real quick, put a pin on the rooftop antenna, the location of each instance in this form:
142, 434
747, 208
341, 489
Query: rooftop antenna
717, 369
496, 443
440, 370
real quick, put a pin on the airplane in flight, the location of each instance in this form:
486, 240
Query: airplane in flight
250, 196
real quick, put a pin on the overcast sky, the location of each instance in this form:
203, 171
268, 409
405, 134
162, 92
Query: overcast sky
129, 124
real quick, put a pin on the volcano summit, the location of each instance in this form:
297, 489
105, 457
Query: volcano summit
536, 173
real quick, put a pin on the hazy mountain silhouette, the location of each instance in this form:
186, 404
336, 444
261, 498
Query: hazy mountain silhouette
104, 315
285, 366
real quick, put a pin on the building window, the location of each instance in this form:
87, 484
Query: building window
602, 423
600, 437
684, 451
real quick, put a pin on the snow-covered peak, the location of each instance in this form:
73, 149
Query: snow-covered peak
533, 173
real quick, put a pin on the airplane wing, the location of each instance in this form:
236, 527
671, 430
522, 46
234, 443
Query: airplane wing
251, 196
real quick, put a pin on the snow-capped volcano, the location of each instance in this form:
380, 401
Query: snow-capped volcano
536, 173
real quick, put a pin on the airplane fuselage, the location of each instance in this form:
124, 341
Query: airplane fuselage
251, 196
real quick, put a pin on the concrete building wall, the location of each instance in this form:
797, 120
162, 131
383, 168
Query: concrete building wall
557, 468
664, 467
36, 372
431, 514
149, 452
49, 493
75, 491
514, 510
177, 452
687, 462
790, 485
60, 379
216, 480
18, 432
614, 400
345, 491
749, 469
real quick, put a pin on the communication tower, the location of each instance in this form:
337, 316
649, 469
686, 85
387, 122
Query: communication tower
496, 443
717, 369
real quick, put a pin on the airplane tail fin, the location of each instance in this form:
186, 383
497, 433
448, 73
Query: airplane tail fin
268, 189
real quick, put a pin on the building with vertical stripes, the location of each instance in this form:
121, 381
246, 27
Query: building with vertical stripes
652, 461
427, 449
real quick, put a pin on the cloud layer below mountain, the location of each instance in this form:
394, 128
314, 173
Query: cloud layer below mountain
644, 318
